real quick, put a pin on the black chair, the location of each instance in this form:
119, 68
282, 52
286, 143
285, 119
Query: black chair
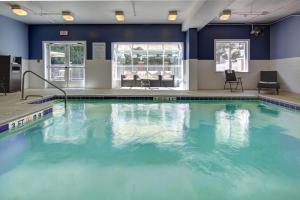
268, 80
167, 82
3, 85
128, 82
230, 78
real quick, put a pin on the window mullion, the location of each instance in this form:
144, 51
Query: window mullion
131, 56
49, 61
163, 57
229, 59
147, 56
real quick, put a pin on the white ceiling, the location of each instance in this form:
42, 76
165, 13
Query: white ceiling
102, 12
247, 11
191, 13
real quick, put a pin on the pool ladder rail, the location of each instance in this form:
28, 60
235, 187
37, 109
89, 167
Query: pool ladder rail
23, 89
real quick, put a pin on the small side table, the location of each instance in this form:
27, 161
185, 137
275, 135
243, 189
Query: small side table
145, 83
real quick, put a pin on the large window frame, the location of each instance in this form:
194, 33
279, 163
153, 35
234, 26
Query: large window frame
246, 55
145, 55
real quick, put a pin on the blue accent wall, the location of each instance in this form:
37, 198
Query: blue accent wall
192, 44
102, 33
285, 38
259, 46
13, 37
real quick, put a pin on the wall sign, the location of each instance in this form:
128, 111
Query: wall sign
63, 33
99, 51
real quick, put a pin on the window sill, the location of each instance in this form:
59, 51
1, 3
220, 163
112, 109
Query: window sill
235, 72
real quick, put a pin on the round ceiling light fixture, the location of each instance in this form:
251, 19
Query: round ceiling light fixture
18, 10
225, 15
172, 15
67, 15
119, 14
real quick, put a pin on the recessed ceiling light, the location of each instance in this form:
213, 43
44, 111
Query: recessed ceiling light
172, 15
18, 10
225, 15
67, 15
119, 15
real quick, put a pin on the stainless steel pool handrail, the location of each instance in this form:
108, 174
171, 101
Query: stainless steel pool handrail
23, 80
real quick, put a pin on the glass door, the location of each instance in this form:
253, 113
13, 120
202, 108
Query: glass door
76, 65
66, 64
57, 64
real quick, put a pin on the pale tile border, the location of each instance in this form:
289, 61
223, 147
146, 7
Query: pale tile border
20, 122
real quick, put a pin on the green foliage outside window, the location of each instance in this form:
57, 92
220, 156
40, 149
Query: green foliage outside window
139, 55
155, 58
76, 55
57, 55
139, 59
124, 59
224, 48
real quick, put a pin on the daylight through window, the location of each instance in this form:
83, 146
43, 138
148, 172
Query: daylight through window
233, 54
147, 60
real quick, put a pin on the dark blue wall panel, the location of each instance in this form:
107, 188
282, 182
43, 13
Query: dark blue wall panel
102, 33
259, 46
285, 38
13, 37
192, 44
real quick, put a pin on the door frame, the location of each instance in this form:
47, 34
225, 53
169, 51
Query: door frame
46, 57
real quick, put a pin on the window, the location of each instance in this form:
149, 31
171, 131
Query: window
76, 55
76, 62
155, 54
58, 56
151, 57
232, 54
66, 61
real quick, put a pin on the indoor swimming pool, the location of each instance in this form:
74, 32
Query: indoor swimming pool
114, 149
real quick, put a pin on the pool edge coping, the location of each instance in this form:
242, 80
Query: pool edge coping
29, 117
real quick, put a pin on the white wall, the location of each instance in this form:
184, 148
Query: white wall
289, 73
25, 67
200, 74
97, 74
208, 78
185, 76
191, 74
37, 67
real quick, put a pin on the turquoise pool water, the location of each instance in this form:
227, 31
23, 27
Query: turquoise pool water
225, 150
